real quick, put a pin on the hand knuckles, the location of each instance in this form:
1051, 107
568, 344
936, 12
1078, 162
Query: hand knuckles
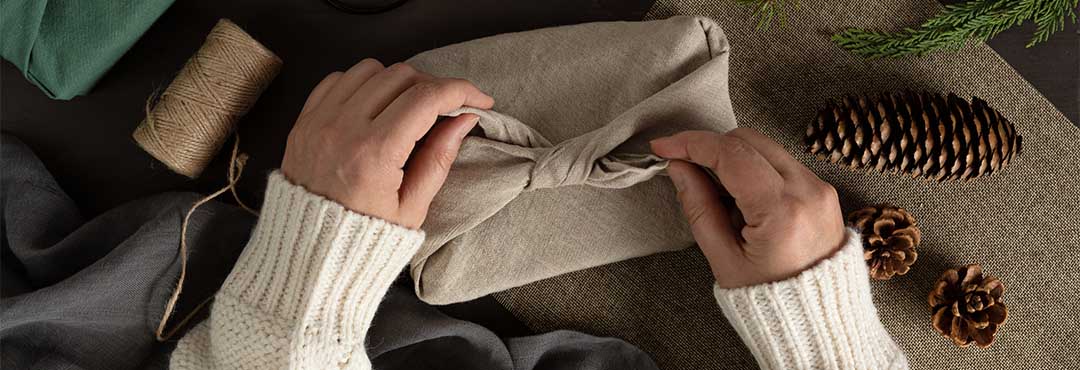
294, 141
431, 91
371, 63
291, 138
827, 193
693, 210
388, 153
797, 208
402, 68
333, 75
424, 91
820, 194
694, 214
444, 159
735, 146
326, 137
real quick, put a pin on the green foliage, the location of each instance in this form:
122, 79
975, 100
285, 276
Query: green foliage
767, 11
952, 28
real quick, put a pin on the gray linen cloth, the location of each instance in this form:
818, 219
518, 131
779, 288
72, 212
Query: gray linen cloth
409, 334
557, 177
88, 294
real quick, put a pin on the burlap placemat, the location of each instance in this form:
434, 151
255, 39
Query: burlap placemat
1021, 224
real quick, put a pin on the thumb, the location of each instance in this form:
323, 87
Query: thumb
428, 167
709, 219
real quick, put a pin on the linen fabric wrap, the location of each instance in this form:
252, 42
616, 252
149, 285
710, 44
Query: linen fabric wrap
558, 177
65, 46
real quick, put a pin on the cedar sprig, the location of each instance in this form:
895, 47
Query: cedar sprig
767, 11
951, 29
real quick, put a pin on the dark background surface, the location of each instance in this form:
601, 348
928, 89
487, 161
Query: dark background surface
1053, 67
86, 142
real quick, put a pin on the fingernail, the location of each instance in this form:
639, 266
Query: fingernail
653, 143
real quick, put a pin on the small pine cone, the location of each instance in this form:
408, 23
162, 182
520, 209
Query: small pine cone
890, 236
921, 134
967, 306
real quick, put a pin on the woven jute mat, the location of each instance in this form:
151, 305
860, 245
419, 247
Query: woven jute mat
1022, 224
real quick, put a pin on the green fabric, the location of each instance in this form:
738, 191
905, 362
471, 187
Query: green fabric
65, 46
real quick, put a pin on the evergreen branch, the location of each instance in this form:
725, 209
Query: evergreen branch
957, 24
1052, 19
767, 11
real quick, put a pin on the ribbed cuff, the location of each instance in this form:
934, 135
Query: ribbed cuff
310, 252
822, 318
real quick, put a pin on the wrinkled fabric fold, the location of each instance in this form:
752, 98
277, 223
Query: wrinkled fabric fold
87, 293
558, 177
584, 160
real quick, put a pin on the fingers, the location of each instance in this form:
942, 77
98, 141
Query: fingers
741, 169
319, 92
777, 156
710, 220
798, 178
413, 113
382, 88
351, 81
429, 166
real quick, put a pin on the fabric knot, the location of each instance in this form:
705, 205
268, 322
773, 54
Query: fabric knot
572, 165
558, 167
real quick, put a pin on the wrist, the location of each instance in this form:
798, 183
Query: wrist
779, 261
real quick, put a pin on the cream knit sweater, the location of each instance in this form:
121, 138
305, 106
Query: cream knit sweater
306, 287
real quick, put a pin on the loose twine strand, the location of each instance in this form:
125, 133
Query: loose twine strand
236, 169
190, 121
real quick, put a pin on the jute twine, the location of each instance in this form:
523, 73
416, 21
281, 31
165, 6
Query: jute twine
192, 119
196, 113
236, 168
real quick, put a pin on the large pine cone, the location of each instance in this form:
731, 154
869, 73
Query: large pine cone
890, 236
967, 306
916, 133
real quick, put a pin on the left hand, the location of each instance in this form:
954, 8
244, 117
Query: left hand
353, 142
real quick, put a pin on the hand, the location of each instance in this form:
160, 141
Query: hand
792, 218
353, 142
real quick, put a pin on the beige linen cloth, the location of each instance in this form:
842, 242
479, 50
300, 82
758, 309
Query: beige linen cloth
558, 177
1021, 224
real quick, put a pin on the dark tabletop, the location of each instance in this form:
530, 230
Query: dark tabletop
86, 142
1052, 67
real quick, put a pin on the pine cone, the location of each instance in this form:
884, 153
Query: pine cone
967, 306
889, 236
916, 133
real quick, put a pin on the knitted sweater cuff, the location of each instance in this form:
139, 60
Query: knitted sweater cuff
823, 316
311, 261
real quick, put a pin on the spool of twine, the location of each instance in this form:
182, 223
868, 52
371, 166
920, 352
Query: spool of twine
194, 116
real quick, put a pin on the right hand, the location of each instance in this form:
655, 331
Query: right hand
792, 218
353, 142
